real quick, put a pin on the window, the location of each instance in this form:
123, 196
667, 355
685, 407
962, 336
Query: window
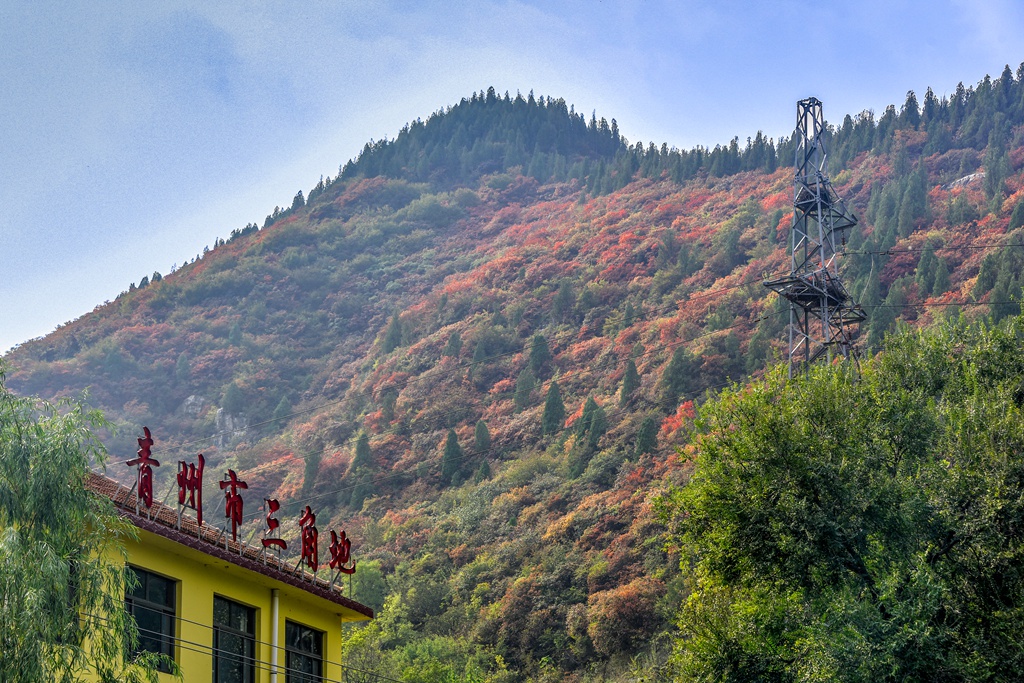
234, 642
304, 650
151, 604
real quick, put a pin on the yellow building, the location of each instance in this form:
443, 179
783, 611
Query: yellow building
225, 611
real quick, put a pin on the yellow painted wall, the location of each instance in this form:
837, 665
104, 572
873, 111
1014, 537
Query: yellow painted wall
200, 576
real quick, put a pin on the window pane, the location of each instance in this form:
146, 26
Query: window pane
234, 642
152, 607
303, 659
221, 611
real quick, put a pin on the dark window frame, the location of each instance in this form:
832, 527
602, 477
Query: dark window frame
222, 631
141, 601
302, 664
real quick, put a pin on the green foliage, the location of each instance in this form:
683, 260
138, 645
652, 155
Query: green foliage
562, 304
678, 378
235, 335
860, 529
1017, 217
630, 383
451, 459
540, 357
182, 368
592, 424
646, 437
363, 456
554, 411
282, 411
525, 384
233, 402
392, 335
63, 582
454, 346
481, 437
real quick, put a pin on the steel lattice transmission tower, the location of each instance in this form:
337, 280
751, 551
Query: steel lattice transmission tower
821, 310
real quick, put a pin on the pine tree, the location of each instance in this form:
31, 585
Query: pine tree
454, 346
593, 423
554, 411
183, 369
282, 411
646, 437
540, 356
235, 335
233, 402
940, 285
561, 306
677, 379
483, 473
393, 335
525, 384
363, 456
630, 383
1017, 217
451, 460
481, 437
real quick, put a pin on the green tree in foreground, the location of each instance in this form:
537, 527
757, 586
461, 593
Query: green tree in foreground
839, 528
63, 581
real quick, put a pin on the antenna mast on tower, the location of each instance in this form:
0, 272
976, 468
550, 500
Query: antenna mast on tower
821, 311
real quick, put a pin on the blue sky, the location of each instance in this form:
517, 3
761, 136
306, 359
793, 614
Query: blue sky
135, 134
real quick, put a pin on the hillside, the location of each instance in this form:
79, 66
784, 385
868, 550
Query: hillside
478, 348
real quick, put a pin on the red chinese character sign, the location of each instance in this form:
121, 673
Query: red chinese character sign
308, 536
190, 486
341, 553
233, 501
145, 464
270, 538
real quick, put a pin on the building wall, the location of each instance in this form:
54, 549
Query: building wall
200, 577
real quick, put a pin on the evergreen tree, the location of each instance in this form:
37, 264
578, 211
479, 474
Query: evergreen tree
646, 437
451, 460
363, 456
183, 369
525, 384
483, 473
233, 401
593, 423
235, 335
630, 383
481, 437
926, 266
393, 335
677, 379
554, 411
1017, 217
388, 401
540, 357
561, 306
454, 345
281, 412
940, 285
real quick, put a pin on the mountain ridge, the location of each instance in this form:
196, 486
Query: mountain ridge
406, 309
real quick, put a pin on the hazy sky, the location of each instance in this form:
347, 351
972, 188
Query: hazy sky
134, 134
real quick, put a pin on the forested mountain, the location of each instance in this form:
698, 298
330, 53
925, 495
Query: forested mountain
479, 348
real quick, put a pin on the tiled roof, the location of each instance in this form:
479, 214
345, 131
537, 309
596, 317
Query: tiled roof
163, 520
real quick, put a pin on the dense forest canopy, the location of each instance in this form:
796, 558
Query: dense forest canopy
479, 348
